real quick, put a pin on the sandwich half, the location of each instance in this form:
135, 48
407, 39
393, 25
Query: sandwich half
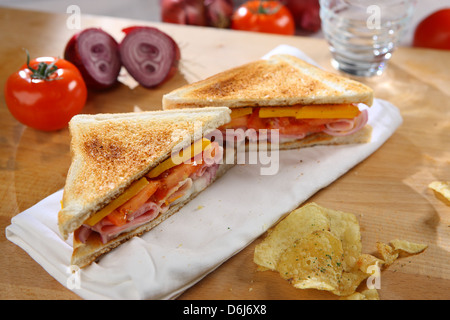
303, 104
131, 171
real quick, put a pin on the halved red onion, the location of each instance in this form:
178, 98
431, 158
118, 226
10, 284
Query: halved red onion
345, 127
149, 55
96, 54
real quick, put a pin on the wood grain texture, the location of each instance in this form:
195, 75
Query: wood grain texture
387, 192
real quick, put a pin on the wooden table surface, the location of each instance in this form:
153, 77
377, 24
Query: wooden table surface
388, 191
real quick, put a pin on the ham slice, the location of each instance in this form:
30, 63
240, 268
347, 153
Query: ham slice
345, 127
109, 231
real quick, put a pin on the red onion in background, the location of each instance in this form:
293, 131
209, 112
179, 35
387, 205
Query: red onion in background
149, 55
219, 12
190, 12
96, 55
306, 13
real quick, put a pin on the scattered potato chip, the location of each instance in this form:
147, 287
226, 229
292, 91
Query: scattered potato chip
314, 261
314, 247
298, 224
319, 248
391, 252
388, 253
345, 227
442, 187
303, 221
369, 294
366, 260
350, 281
354, 296
408, 247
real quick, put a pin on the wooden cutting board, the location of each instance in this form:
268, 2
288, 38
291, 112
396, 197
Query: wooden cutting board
387, 192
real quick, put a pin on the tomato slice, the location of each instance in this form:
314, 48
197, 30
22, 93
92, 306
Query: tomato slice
173, 176
235, 123
119, 216
287, 125
255, 122
299, 127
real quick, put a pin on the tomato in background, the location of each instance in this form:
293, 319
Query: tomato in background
45, 93
263, 16
434, 31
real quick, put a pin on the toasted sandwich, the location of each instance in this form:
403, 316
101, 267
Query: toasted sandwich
131, 171
304, 104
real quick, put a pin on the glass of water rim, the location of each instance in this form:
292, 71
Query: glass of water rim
363, 34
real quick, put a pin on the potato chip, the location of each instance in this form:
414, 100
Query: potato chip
314, 261
298, 224
369, 294
314, 247
319, 248
407, 246
354, 296
366, 260
303, 221
388, 253
345, 227
349, 281
442, 187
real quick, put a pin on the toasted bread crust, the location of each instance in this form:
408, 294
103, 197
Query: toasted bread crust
110, 151
282, 80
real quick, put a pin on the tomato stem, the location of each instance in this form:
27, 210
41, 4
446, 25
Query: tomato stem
261, 8
267, 10
43, 71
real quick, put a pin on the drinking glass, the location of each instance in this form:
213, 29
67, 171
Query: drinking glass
362, 34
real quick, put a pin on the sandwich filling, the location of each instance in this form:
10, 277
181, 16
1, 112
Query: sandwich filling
162, 188
296, 122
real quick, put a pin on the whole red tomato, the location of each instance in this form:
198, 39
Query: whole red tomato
263, 16
434, 31
45, 93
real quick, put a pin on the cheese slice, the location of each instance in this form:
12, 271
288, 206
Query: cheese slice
240, 112
325, 111
184, 155
113, 205
278, 112
341, 111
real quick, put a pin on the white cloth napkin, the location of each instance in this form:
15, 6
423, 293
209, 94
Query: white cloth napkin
217, 224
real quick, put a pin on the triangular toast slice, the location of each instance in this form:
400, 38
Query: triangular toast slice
307, 105
112, 151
